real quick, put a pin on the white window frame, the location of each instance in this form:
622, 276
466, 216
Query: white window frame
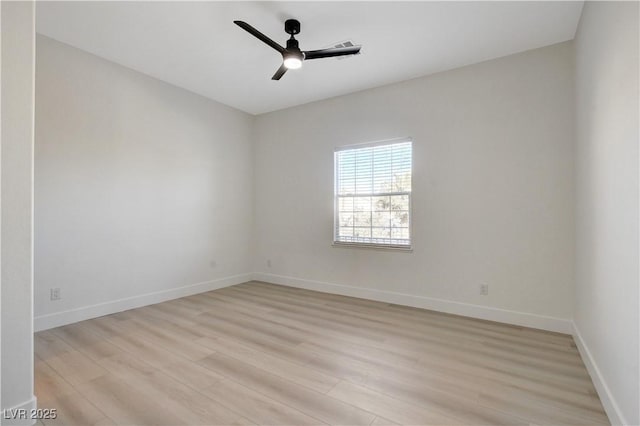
336, 216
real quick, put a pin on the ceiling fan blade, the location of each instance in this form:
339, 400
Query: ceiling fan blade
329, 53
280, 72
248, 28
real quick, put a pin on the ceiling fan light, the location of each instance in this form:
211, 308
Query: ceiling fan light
292, 63
292, 60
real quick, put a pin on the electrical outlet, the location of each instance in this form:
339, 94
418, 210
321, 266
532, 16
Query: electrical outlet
268, 263
55, 294
484, 289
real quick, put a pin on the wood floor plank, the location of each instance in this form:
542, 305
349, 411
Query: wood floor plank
346, 368
541, 410
312, 403
258, 353
169, 341
151, 353
76, 367
380, 421
463, 409
72, 410
394, 409
215, 327
294, 325
167, 320
125, 404
191, 406
257, 407
91, 344
47, 345
274, 331
126, 365
49, 383
296, 373
192, 374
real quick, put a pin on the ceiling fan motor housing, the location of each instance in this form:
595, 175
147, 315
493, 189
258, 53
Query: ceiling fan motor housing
292, 44
292, 26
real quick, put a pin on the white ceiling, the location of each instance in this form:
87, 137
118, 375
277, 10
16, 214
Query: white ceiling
196, 46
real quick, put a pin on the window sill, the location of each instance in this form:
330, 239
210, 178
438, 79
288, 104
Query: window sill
406, 249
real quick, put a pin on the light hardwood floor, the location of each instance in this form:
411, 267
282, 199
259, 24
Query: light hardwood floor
258, 353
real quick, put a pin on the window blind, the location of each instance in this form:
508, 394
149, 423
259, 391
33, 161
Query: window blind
373, 194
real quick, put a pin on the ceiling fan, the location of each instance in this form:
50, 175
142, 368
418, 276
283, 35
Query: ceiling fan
292, 56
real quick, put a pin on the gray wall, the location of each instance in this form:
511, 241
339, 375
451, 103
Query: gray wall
492, 190
606, 298
143, 191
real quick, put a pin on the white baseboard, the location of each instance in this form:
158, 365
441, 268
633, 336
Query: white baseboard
524, 319
57, 319
20, 415
608, 402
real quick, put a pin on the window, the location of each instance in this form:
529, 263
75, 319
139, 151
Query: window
373, 194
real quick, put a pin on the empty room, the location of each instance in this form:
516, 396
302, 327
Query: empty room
320, 213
